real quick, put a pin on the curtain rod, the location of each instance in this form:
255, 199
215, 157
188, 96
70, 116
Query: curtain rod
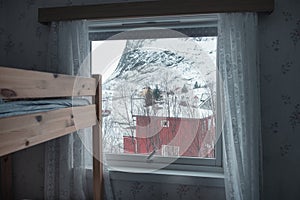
151, 9
190, 21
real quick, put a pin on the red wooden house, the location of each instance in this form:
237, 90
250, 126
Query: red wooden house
172, 136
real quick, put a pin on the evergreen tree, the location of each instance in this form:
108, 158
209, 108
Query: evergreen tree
196, 85
184, 89
156, 93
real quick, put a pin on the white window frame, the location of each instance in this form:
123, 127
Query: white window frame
137, 161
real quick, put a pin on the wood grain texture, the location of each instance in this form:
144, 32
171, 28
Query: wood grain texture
23, 131
98, 187
152, 8
6, 178
18, 83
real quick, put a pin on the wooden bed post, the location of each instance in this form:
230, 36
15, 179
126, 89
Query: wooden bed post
97, 144
6, 177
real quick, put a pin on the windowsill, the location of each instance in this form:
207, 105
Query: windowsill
210, 179
138, 162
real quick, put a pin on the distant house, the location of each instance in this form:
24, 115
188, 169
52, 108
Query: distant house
171, 136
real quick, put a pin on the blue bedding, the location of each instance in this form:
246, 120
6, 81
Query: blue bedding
13, 108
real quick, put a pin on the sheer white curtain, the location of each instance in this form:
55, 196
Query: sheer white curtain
239, 81
66, 158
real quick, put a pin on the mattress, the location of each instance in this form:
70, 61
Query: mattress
13, 108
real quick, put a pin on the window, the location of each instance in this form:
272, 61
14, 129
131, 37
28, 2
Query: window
159, 92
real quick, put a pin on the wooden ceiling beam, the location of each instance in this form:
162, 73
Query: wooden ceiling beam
152, 9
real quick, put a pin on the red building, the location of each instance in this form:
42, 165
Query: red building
172, 136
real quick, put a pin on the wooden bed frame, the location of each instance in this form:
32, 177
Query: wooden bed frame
23, 131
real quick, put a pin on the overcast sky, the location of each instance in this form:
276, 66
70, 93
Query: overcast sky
105, 56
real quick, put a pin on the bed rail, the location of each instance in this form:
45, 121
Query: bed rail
23, 131
20, 84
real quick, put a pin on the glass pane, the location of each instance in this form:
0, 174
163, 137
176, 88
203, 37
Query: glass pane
159, 96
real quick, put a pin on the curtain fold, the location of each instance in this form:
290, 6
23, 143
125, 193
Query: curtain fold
67, 158
239, 79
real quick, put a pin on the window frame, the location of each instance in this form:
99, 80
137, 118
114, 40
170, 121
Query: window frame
121, 162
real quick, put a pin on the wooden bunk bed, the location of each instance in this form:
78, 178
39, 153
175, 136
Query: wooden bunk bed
26, 130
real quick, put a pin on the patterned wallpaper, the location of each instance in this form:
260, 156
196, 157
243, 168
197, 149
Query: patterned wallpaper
280, 100
137, 190
23, 44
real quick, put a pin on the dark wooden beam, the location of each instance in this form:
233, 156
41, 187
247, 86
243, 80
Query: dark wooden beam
6, 177
98, 187
152, 8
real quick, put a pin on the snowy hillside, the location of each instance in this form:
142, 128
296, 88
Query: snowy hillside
189, 59
159, 77
166, 64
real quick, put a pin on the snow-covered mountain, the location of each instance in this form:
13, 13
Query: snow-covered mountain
183, 60
161, 77
168, 65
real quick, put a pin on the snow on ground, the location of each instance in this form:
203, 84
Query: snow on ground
172, 65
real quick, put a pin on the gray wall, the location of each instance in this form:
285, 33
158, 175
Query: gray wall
23, 44
280, 100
